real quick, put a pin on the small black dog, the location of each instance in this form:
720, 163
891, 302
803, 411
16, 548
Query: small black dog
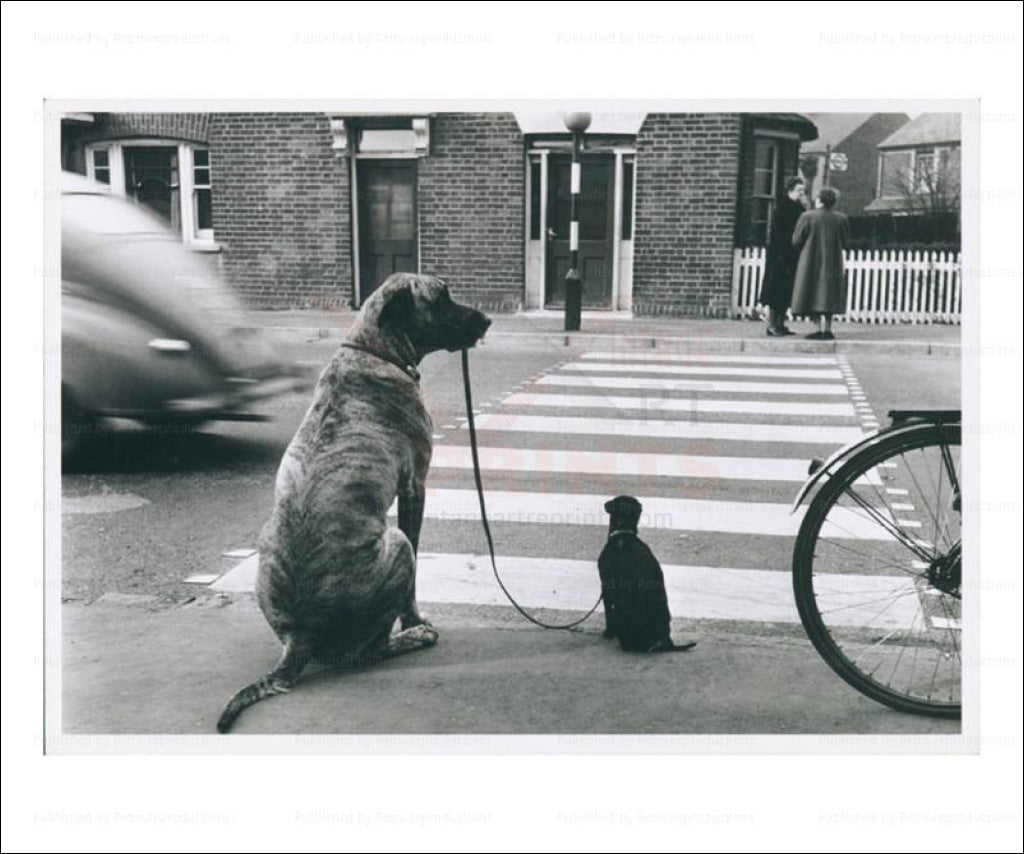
633, 586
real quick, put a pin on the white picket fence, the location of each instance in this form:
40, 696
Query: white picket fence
883, 286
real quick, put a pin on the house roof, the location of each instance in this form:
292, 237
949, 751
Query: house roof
833, 128
796, 121
926, 129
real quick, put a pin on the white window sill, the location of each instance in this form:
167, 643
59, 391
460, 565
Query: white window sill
204, 246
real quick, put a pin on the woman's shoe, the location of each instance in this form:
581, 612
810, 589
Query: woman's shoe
827, 336
815, 336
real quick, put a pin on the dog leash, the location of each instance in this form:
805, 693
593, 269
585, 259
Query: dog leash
483, 510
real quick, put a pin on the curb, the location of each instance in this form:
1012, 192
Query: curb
676, 342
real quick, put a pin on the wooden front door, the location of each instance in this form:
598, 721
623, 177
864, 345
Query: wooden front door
596, 208
387, 222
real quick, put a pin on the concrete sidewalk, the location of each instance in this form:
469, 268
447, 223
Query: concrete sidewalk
131, 666
674, 334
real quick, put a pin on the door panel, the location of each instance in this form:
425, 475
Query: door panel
597, 192
387, 222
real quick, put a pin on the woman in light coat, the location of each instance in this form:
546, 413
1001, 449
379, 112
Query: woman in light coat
819, 289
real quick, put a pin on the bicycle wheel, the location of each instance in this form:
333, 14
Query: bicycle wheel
877, 567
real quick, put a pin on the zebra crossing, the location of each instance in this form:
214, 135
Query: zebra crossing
715, 446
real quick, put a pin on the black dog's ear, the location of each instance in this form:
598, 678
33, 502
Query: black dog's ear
398, 310
608, 505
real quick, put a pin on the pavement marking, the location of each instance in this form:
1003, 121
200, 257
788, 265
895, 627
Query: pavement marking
675, 514
622, 464
708, 386
894, 491
705, 370
897, 506
945, 623
694, 592
104, 502
693, 405
656, 356
240, 553
241, 578
202, 578
720, 430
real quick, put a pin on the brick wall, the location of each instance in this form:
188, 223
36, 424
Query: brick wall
281, 209
687, 175
471, 208
190, 127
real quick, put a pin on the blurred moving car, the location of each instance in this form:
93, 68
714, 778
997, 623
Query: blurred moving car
148, 331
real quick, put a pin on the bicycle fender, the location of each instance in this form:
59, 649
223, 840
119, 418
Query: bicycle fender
847, 451
839, 456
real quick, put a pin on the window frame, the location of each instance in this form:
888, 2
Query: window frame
772, 197
197, 239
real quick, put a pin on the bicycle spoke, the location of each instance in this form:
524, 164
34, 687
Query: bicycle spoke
936, 490
893, 529
873, 556
892, 598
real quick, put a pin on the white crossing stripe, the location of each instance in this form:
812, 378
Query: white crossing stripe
694, 592
945, 623
561, 461
655, 356
619, 427
705, 370
696, 405
708, 386
675, 514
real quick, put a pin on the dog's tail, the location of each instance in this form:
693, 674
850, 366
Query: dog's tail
278, 681
669, 646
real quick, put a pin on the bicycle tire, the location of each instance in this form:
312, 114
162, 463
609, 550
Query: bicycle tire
865, 611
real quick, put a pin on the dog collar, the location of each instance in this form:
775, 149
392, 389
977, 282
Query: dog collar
620, 533
409, 369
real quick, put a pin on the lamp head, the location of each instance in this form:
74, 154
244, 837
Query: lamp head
576, 122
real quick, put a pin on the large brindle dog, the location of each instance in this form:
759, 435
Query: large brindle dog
333, 575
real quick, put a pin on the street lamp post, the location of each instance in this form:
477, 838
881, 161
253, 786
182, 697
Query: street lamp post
577, 123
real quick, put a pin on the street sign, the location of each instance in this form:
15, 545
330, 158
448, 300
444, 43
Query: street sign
837, 162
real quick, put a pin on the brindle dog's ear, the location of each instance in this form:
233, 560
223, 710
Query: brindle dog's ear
399, 310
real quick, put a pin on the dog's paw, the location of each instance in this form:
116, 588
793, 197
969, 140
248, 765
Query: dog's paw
425, 633
411, 621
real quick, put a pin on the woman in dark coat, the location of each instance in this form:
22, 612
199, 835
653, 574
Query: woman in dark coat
819, 290
780, 259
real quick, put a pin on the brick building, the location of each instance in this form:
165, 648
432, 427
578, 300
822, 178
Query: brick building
307, 209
